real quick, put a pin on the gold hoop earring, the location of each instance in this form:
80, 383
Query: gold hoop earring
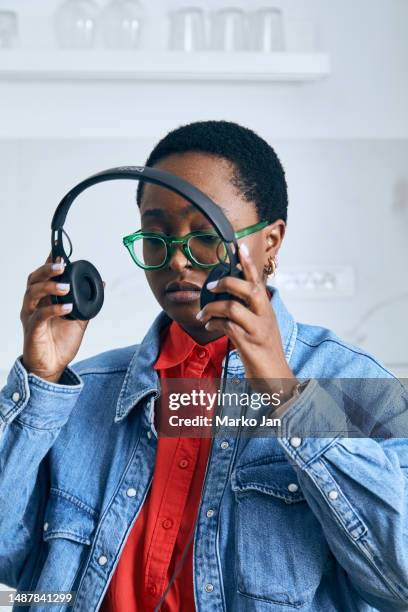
270, 269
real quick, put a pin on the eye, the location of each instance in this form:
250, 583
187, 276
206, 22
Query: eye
207, 239
152, 241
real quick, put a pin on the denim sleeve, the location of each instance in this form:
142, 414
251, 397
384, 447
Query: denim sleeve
32, 413
357, 487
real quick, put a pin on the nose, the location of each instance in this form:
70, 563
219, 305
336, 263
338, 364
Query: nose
178, 260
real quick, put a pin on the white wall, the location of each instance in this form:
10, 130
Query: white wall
346, 208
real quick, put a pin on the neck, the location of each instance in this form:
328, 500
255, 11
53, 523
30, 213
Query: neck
200, 334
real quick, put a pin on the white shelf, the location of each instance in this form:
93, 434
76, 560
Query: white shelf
77, 65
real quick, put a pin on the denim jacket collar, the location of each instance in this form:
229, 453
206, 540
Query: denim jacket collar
141, 378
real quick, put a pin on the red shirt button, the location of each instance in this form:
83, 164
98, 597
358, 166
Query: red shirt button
183, 463
152, 589
202, 353
167, 524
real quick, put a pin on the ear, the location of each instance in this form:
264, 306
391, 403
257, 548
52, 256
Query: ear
274, 235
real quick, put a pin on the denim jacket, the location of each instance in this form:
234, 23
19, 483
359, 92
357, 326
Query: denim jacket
313, 523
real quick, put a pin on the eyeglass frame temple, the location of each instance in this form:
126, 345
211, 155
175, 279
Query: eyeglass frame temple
180, 239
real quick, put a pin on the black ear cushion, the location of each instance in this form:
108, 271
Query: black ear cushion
86, 293
217, 273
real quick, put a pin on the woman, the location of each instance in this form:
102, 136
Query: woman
93, 501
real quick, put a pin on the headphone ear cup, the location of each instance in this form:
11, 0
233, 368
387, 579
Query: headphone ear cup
217, 273
86, 291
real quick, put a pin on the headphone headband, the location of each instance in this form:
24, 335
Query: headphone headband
158, 177
86, 284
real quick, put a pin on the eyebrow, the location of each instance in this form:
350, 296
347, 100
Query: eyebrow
153, 212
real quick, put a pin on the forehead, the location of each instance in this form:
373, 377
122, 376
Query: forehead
212, 175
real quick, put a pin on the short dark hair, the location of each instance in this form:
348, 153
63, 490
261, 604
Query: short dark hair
257, 171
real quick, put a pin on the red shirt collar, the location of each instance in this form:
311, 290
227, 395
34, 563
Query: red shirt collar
177, 346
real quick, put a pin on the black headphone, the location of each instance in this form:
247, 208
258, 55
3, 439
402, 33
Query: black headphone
86, 285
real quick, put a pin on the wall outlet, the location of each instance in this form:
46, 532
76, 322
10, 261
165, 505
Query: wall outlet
316, 282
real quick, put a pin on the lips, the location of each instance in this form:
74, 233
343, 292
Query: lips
181, 286
181, 292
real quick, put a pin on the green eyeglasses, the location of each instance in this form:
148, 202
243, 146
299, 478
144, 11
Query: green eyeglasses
205, 249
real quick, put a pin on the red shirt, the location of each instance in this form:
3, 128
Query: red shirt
167, 518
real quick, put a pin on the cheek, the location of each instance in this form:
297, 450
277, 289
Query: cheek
154, 283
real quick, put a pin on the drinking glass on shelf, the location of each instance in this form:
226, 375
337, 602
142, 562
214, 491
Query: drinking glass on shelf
187, 30
75, 23
8, 29
266, 30
120, 24
228, 31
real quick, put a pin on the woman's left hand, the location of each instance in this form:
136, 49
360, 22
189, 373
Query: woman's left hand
251, 327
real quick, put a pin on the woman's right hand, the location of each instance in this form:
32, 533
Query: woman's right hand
50, 342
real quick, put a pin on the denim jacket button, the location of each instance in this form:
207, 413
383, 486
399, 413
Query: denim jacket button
149, 434
293, 487
210, 513
102, 560
15, 397
45, 526
209, 587
224, 445
333, 495
295, 442
131, 492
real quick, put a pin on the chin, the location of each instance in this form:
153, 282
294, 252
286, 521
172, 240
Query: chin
179, 309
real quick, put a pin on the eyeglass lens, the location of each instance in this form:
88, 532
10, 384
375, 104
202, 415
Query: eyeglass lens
150, 251
205, 250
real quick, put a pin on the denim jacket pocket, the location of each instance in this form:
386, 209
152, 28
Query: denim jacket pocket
68, 517
69, 524
274, 527
276, 478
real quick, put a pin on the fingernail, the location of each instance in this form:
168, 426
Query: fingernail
212, 284
199, 315
206, 325
67, 307
244, 249
63, 286
58, 267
